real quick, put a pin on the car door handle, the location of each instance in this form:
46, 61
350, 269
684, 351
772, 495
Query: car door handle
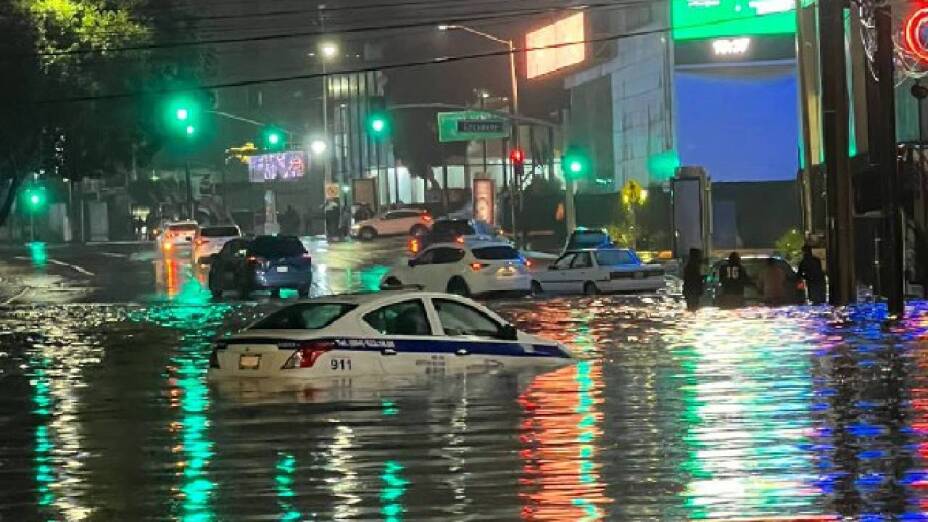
388, 351
462, 351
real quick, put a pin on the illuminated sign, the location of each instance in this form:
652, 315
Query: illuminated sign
550, 53
471, 125
730, 46
282, 166
916, 34
704, 19
485, 200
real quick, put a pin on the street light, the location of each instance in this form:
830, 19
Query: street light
512, 60
328, 50
318, 147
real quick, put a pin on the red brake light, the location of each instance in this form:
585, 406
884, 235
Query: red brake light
528, 263
414, 246
307, 353
459, 239
427, 218
800, 285
476, 267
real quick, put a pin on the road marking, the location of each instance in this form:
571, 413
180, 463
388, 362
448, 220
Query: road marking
15, 297
72, 267
114, 254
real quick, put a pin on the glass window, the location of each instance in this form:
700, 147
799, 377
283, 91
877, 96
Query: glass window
443, 256
496, 252
219, 232
564, 262
406, 318
582, 260
453, 228
277, 246
233, 249
182, 228
426, 258
459, 319
616, 258
304, 317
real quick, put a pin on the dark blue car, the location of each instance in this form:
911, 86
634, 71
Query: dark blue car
262, 263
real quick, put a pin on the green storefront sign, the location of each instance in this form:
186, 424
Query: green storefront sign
471, 125
699, 19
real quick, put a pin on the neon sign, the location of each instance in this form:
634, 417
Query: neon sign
731, 46
915, 37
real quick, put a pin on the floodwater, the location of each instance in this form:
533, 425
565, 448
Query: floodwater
106, 415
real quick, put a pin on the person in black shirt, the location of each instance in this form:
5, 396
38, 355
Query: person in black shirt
733, 279
810, 270
693, 279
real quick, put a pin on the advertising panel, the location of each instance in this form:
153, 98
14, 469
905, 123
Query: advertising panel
485, 200
699, 19
544, 61
281, 166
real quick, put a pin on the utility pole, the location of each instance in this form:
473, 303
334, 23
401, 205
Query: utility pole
839, 224
884, 155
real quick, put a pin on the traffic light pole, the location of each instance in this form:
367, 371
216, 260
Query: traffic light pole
190, 210
32, 227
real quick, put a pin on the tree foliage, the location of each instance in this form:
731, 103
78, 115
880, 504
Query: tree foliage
59, 49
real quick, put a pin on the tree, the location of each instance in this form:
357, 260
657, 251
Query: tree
38, 67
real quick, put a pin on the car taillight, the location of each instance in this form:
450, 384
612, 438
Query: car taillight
459, 239
307, 353
528, 263
800, 285
260, 261
414, 246
476, 267
167, 246
427, 218
201, 242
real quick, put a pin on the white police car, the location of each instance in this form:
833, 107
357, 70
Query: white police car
393, 332
595, 271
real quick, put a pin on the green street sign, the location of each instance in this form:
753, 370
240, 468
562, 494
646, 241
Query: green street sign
471, 126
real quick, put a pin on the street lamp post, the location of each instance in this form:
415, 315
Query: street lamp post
328, 50
515, 104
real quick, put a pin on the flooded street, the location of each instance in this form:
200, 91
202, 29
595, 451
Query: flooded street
107, 415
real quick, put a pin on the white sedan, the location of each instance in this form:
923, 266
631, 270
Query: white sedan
209, 240
380, 334
465, 267
595, 271
393, 223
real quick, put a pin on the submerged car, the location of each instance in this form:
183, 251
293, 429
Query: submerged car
209, 240
393, 332
583, 238
468, 267
178, 234
596, 271
263, 263
794, 287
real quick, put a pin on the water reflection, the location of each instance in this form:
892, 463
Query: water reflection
667, 416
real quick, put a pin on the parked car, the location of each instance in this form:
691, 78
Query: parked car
470, 267
582, 238
178, 234
393, 223
374, 334
595, 271
754, 265
450, 230
262, 263
209, 240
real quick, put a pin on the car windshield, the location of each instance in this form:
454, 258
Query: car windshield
496, 252
219, 232
307, 316
616, 258
453, 228
276, 247
182, 228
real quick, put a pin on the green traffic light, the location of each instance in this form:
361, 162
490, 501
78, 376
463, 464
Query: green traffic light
273, 138
35, 199
575, 166
378, 125
182, 114
190, 130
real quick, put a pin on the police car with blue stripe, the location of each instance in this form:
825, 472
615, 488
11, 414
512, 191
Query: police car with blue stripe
391, 332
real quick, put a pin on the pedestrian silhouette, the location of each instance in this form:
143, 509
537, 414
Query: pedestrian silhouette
693, 279
733, 279
810, 270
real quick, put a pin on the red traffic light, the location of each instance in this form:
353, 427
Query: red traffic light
517, 156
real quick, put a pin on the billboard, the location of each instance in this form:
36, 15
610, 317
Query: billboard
564, 31
485, 200
279, 166
699, 19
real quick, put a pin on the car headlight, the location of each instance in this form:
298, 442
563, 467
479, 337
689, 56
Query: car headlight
355, 227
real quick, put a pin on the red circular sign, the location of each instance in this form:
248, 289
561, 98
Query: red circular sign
915, 27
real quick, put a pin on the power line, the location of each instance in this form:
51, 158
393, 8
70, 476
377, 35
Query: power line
290, 35
401, 65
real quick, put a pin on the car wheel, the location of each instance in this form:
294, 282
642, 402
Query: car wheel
303, 291
367, 234
215, 287
418, 230
244, 287
459, 287
589, 288
536, 288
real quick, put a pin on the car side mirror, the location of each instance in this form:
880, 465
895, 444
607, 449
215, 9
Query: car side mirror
509, 333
